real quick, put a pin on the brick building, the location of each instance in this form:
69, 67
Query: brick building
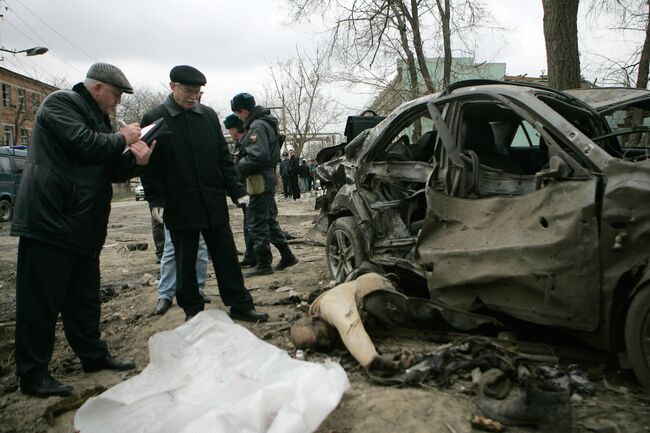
21, 97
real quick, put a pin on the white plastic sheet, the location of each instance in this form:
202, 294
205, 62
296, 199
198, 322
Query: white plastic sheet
211, 375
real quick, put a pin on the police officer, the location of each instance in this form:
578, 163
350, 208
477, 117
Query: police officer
258, 157
190, 174
235, 127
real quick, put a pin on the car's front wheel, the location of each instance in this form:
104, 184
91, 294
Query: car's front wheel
637, 336
6, 210
344, 248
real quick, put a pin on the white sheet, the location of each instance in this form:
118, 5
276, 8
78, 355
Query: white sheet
211, 375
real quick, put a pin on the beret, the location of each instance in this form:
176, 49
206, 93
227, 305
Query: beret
110, 74
185, 74
233, 121
242, 101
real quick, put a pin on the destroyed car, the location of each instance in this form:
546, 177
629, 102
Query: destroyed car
514, 199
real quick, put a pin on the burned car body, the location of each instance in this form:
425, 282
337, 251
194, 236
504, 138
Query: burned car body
512, 198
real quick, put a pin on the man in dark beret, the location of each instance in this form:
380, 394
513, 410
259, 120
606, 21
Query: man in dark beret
258, 158
235, 127
61, 217
189, 176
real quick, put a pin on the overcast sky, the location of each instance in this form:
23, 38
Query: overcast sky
232, 42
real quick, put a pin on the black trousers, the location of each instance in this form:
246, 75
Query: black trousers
263, 227
295, 188
49, 281
221, 246
158, 233
286, 188
249, 254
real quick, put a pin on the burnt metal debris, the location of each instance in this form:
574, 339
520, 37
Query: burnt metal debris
515, 199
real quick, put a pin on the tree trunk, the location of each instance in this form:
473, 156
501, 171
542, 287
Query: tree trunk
414, 19
410, 59
644, 61
445, 15
561, 35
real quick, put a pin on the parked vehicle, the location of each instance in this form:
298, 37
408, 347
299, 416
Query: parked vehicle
516, 199
12, 163
139, 192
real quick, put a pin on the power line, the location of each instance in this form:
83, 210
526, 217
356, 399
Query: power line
55, 31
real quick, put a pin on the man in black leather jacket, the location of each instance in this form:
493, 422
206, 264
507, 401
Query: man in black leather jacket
189, 176
258, 156
62, 211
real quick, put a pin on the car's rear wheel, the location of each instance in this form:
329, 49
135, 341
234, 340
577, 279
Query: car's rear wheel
637, 336
6, 210
344, 248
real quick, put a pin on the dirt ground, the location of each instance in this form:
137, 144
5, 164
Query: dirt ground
129, 284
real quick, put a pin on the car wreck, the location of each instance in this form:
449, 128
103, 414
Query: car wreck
514, 199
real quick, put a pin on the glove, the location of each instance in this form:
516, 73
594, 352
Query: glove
157, 214
243, 201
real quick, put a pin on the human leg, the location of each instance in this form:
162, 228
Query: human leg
279, 240
42, 277
167, 283
249, 256
186, 245
202, 268
257, 214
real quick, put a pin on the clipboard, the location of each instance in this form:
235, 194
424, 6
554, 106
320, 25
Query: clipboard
151, 132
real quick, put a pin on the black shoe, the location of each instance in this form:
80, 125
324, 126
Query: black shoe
45, 387
249, 315
259, 270
162, 306
247, 262
188, 317
106, 363
538, 404
285, 262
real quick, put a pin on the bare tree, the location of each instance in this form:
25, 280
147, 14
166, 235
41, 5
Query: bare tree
630, 16
298, 84
135, 106
364, 31
561, 35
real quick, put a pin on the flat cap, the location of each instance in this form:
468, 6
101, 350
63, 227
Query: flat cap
233, 121
243, 101
185, 74
110, 74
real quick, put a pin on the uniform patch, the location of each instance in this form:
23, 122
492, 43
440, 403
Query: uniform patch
254, 138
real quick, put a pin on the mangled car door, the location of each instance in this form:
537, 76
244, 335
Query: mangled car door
518, 239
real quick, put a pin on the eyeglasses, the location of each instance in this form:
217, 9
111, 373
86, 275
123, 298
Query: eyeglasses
189, 90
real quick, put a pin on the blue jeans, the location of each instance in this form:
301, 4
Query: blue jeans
167, 284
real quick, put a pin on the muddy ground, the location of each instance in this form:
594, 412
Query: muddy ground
128, 282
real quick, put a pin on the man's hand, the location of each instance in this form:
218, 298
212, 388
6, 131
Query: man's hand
131, 133
157, 214
142, 152
243, 201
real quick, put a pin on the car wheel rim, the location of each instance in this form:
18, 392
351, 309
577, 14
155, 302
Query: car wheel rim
5, 208
341, 255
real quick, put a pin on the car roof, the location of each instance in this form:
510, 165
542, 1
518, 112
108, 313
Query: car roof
607, 99
8, 150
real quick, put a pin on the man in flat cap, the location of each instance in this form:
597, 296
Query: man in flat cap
189, 176
61, 216
235, 128
258, 157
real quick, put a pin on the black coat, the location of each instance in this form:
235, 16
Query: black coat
190, 171
65, 191
260, 151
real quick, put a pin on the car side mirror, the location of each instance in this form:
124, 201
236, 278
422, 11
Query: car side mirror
557, 169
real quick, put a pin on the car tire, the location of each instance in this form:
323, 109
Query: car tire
637, 336
344, 248
6, 210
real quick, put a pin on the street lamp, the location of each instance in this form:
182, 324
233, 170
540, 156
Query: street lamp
35, 51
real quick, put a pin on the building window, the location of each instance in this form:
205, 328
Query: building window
24, 136
21, 99
36, 101
9, 135
6, 95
